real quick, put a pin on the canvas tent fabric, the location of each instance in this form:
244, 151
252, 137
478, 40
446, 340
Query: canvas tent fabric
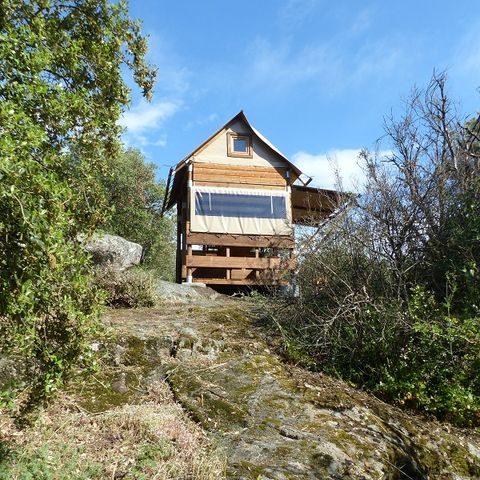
240, 211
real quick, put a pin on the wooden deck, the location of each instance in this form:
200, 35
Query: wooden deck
230, 259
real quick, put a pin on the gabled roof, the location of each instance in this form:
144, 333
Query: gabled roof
177, 173
264, 140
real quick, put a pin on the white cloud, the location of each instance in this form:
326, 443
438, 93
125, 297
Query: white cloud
322, 167
147, 116
145, 121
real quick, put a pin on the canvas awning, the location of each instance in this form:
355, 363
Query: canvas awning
311, 205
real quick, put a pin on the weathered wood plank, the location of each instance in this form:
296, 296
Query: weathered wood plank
231, 172
245, 281
241, 274
237, 262
244, 168
260, 241
256, 186
227, 170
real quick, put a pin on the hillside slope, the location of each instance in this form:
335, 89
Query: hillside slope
276, 421
192, 390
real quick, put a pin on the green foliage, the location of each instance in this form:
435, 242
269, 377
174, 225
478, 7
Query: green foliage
390, 290
61, 94
131, 288
137, 198
438, 367
416, 354
456, 256
44, 464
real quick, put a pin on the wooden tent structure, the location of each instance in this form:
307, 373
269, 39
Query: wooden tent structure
237, 199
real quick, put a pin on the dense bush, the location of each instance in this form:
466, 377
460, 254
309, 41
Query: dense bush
127, 289
390, 290
61, 95
137, 197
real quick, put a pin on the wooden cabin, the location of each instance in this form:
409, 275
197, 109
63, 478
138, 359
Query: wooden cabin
237, 198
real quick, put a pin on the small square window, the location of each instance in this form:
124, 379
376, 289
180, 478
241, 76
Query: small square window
239, 145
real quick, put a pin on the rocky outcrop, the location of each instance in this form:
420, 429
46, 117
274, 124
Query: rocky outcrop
113, 251
193, 293
276, 421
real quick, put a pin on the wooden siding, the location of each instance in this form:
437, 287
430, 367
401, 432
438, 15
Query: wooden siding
220, 175
260, 241
237, 262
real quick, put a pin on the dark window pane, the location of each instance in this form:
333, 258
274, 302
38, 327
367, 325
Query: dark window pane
243, 206
240, 144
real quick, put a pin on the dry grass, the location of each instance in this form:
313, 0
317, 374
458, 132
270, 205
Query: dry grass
153, 440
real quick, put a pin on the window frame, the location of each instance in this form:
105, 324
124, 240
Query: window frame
231, 152
277, 204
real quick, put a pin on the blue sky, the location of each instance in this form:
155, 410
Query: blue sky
316, 77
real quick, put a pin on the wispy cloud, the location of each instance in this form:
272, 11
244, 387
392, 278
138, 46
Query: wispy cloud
466, 58
204, 120
145, 121
282, 66
334, 62
293, 13
147, 115
323, 167
326, 169
174, 76
362, 21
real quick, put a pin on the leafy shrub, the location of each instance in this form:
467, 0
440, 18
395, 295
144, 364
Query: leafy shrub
390, 290
131, 288
437, 369
414, 354
61, 95
48, 306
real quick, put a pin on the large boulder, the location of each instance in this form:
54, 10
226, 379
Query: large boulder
113, 251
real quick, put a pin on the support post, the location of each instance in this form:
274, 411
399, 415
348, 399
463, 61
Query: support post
228, 272
189, 276
178, 258
189, 269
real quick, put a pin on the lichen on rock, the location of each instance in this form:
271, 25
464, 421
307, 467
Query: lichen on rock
277, 421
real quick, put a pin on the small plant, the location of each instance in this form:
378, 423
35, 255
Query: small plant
131, 288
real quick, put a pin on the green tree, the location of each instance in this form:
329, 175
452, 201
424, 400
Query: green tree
61, 91
137, 198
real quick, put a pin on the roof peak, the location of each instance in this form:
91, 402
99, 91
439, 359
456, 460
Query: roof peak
261, 138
